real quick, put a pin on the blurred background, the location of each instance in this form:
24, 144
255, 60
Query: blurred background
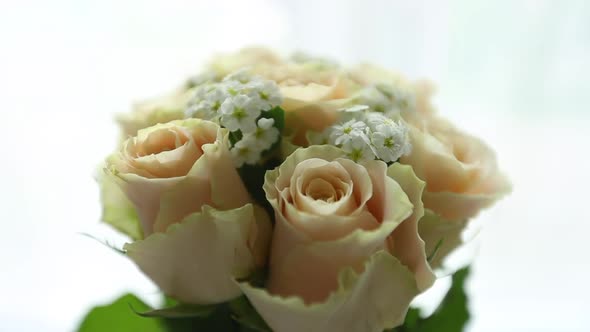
513, 72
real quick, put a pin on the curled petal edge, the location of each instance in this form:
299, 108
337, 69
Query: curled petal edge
376, 299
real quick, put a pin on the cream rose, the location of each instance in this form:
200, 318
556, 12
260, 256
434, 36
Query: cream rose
346, 255
201, 229
462, 178
461, 173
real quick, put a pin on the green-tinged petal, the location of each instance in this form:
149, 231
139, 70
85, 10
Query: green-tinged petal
408, 247
117, 210
371, 301
441, 236
196, 260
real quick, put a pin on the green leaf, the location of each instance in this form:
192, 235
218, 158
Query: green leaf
118, 317
180, 311
278, 114
451, 315
235, 136
244, 313
253, 178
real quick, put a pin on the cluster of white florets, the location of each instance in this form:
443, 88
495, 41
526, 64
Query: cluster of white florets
240, 103
367, 136
387, 99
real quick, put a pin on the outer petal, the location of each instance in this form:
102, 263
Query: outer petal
466, 205
376, 299
117, 210
434, 229
145, 194
301, 266
407, 245
314, 106
196, 260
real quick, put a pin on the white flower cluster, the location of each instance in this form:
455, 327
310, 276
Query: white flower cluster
370, 135
387, 99
249, 148
239, 103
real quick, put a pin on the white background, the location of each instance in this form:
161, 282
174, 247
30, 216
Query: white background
513, 72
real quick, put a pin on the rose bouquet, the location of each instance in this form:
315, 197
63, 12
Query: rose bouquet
273, 194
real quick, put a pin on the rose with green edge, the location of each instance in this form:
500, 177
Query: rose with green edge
345, 252
462, 178
199, 228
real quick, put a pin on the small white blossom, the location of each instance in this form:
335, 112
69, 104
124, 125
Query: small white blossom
374, 120
267, 92
358, 148
266, 134
246, 151
235, 88
206, 102
341, 134
239, 113
390, 141
354, 112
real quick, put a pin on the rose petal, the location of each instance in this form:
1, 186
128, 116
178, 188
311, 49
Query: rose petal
196, 260
407, 245
145, 194
117, 210
437, 231
371, 301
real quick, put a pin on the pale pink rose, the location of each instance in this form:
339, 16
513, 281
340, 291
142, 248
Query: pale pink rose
342, 230
200, 228
170, 170
461, 172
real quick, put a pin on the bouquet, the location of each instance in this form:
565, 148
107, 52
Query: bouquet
292, 194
